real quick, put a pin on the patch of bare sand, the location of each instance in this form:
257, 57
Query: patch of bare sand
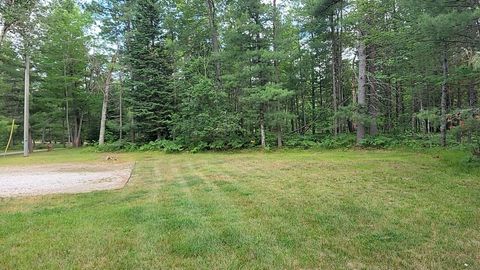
63, 178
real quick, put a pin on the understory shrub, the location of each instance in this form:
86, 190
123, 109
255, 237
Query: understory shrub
340, 141
411, 141
119, 146
305, 142
162, 145
381, 142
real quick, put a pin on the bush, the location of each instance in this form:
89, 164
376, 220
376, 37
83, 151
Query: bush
378, 142
199, 147
304, 142
341, 141
162, 145
412, 141
218, 145
476, 151
119, 146
237, 144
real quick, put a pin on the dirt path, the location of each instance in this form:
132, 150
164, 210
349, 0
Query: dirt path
63, 178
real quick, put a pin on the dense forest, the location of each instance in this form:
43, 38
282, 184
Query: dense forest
227, 74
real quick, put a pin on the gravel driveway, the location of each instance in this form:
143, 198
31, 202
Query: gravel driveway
62, 178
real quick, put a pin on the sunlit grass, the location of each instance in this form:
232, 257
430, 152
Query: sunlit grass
58, 156
287, 209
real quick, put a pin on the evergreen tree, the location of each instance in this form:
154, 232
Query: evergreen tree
151, 70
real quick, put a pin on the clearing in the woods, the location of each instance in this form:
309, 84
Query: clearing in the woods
250, 210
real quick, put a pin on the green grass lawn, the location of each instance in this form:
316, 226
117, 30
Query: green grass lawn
249, 210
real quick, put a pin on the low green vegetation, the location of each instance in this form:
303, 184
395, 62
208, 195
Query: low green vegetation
214, 75
410, 142
326, 209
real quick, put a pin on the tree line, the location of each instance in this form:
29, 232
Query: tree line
221, 74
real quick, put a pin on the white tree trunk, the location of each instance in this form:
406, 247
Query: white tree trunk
262, 135
101, 139
106, 92
262, 128
26, 113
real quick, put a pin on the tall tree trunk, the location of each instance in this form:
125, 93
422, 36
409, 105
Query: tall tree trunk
472, 94
339, 59
212, 14
304, 115
62, 140
262, 127
389, 94
77, 141
279, 139
398, 103
120, 114
314, 99
292, 109
443, 125
373, 98
362, 77
31, 141
414, 111
26, 112
472, 103
74, 131
67, 116
276, 69
43, 135
354, 83
106, 93
275, 37
459, 98
334, 74
132, 127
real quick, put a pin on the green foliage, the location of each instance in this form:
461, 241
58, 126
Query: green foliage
203, 120
416, 142
150, 95
63, 62
166, 146
162, 145
378, 142
432, 116
472, 129
305, 142
119, 146
209, 74
342, 141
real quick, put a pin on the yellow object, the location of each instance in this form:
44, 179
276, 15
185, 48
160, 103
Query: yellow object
10, 138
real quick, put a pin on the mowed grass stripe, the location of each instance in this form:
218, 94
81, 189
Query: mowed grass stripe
251, 238
289, 209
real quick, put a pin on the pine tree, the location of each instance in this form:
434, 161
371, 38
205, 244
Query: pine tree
151, 92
